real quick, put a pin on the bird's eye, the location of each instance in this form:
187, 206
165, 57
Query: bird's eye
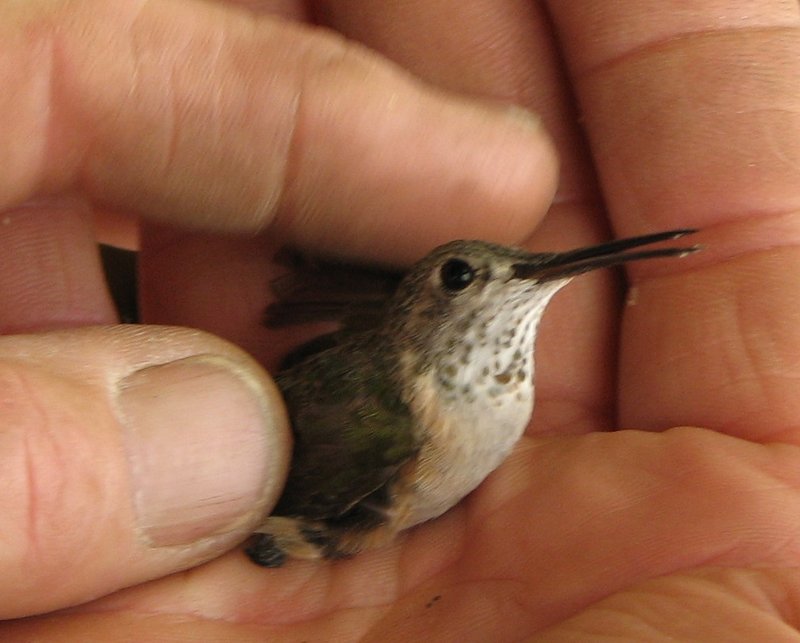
456, 274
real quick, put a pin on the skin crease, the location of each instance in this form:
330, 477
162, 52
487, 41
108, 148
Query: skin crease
689, 117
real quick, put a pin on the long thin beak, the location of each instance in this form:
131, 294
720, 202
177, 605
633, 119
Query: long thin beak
560, 265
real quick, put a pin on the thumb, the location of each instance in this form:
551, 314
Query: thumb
128, 453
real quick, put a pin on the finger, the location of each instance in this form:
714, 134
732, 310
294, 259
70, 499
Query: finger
694, 115
502, 49
687, 86
208, 116
50, 274
127, 454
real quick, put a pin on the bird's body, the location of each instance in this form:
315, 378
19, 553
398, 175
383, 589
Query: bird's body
396, 424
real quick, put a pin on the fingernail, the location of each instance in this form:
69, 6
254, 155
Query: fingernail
197, 435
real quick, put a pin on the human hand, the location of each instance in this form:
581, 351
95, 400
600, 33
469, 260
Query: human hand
688, 532
690, 119
131, 453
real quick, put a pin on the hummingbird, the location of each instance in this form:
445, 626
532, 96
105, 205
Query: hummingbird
396, 420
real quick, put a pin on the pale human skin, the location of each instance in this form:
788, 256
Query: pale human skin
184, 113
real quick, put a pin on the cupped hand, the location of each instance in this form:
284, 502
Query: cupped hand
208, 118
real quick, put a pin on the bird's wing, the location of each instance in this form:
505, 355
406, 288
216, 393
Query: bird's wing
352, 432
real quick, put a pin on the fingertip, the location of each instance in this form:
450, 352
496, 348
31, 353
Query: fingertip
398, 170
